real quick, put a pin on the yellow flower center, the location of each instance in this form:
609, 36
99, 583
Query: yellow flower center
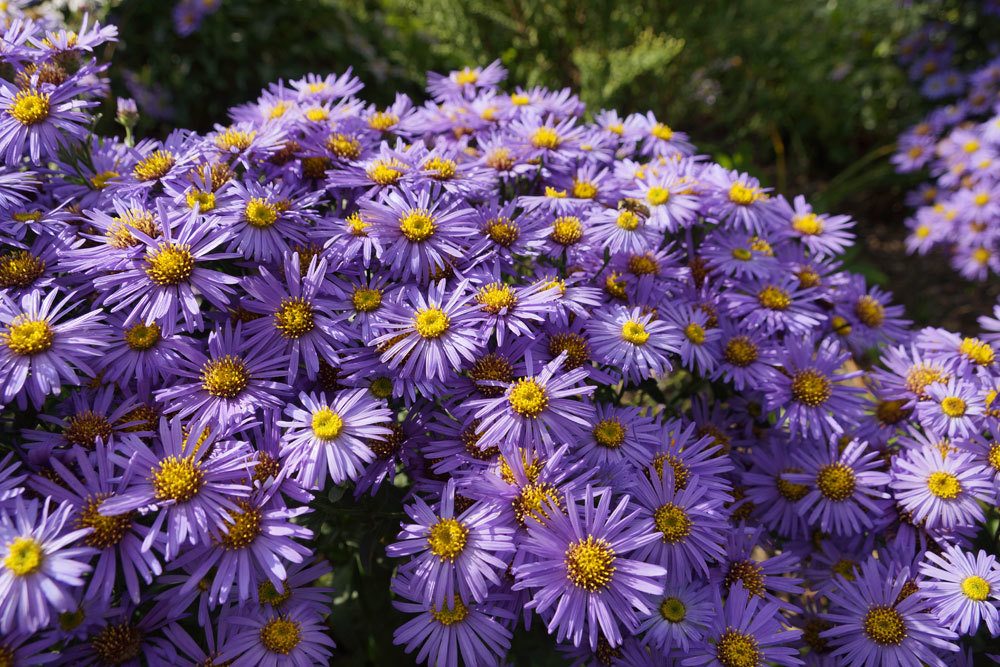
978, 351
737, 649
836, 481
100, 181
809, 224
177, 479
673, 522
500, 159
536, 500
317, 114
495, 297
141, 337
695, 333
170, 264
280, 635
742, 195
20, 269
294, 318
574, 345
417, 225
673, 610
431, 322
628, 221
884, 626
108, 531
205, 201
225, 377
981, 199
740, 351
383, 173
366, 299
25, 337
643, 265
953, 406
242, 528
680, 469
441, 169
154, 166
268, 594
657, 195
343, 146
790, 490
466, 77
502, 231
29, 107
634, 332
944, 485
567, 230
447, 617
810, 387
609, 433
260, 213
870, 311
119, 232
383, 121
326, 424
447, 539
590, 563
662, 131
976, 588
232, 138
774, 298
24, 556
584, 189
748, 573
117, 644
545, 137
528, 398
519, 100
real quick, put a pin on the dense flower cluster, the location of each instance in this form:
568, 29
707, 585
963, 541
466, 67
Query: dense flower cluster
959, 145
633, 395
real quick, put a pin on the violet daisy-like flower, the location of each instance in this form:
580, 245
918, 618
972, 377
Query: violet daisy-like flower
228, 383
954, 409
737, 199
41, 349
142, 352
775, 497
191, 482
875, 625
253, 546
294, 636
162, 285
539, 410
963, 589
297, 314
475, 633
333, 437
843, 483
42, 116
421, 231
637, 343
430, 334
514, 311
618, 434
39, 564
814, 398
682, 617
943, 489
118, 538
581, 568
456, 557
745, 631
823, 235
689, 523
775, 304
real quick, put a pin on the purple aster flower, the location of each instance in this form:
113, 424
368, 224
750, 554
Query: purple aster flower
943, 489
294, 636
954, 409
455, 558
266, 221
142, 353
963, 589
581, 567
254, 544
875, 625
503, 308
161, 286
335, 437
40, 349
775, 304
39, 566
689, 523
421, 232
738, 199
699, 342
670, 201
126, 637
118, 538
540, 409
745, 631
635, 342
43, 116
843, 485
682, 618
774, 497
823, 235
814, 398
191, 487
229, 383
474, 633
746, 356
428, 335
618, 435
767, 578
